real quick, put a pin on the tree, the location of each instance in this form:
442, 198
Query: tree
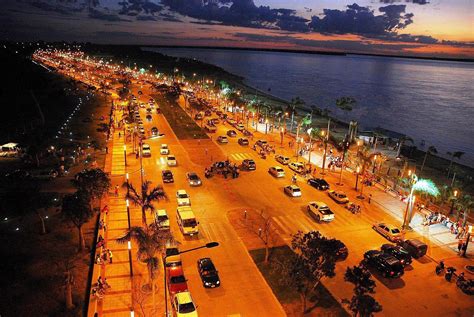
150, 243
362, 304
430, 150
95, 182
76, 210
144, 199
304, 121
262, 226
315, 258
464, 204
453, 155
295, 103
346, 104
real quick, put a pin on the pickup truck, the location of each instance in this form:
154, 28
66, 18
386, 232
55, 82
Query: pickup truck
320, 211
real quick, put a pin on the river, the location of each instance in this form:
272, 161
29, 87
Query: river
428, 100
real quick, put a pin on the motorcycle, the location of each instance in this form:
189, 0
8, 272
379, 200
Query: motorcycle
439, 268
466, 286
450, 271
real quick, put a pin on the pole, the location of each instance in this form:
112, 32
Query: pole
357, 181
165, 289
125, 154
130, 257
326, 146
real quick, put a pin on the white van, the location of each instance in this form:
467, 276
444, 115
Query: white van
161, 219
187, 221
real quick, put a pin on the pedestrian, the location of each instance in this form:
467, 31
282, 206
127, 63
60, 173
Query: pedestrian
120, 135
110, 256
370, 198
464, 249
100, 282
106, 150
116, 190
460, 246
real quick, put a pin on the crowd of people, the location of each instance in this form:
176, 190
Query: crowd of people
225, 168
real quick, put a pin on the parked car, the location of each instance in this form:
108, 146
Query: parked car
282, 159
193, 179
154, 131
208, 273
297, 167
176, 280
164, 149
183, 305
276, 171
149, 118
320, 211
167, 176
171, 256
146, 150
385, 263
338, 196
171, 160
222, 139
249, 165
162, 221
390, 232
231, 133
292, 191
318, 183
243, 141
261, 143
182, 198
398, 252
415, 247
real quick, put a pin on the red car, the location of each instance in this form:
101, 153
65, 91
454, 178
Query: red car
176, 280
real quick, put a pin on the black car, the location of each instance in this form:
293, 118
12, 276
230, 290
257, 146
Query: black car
208, 273
243, 141
342, 252
231, 133
249, 165
167, 176
318, 183
398, 252
386, 264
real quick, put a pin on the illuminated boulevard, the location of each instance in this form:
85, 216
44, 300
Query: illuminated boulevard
244, 292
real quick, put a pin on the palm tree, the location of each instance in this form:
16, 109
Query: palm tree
465, 204
304, 121
420, 186
296, 102
144, 199
76, 209
314, 133
150, 243
430, 150
453, 155
402, 141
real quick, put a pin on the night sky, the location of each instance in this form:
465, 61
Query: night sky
440, 28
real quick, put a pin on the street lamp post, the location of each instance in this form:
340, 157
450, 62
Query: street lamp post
207, 245
411, 199
130, 257
357, 177
468, 238
128, 213
325, 146
375, 163
282, 133
125, 154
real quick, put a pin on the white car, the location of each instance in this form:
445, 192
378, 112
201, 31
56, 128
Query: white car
162, 220
183, 305
183, 198
276, 171
222, 139
320, 211
164, 149
298, 167
390, 232
292, 191
171, 160
146, 150
338, 196
282, 159
240, 127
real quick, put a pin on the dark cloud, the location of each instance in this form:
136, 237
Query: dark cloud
146, 18
134, 7
360, 20
96, 14
420, 2
240, 13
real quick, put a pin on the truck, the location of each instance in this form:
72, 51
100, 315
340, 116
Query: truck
187, 222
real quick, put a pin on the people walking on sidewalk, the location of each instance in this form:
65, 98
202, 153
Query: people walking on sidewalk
370, 198
460, 245
110, 255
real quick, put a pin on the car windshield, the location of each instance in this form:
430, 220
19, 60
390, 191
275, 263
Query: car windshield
162, 218
183, 196
177, 279
193, 177
172, 251
171, 158
190, 223
167, 174
395, 231
296, 189
186, 308
279, 170
341, 195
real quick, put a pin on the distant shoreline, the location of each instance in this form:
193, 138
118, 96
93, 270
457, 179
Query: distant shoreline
279, 50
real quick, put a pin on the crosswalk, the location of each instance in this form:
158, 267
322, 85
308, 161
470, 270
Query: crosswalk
289, 224
241, 156
220, 231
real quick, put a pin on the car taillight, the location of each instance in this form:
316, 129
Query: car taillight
391, 273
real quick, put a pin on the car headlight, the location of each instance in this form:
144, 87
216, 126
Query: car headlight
218, 282
207, 283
